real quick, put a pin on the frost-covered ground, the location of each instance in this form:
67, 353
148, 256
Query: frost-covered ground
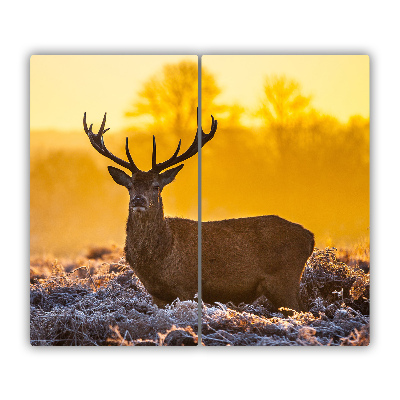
98, 301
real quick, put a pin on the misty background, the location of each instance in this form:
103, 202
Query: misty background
282, 156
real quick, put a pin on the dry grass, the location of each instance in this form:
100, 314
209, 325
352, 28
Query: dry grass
97, 300
335, 294
101, 302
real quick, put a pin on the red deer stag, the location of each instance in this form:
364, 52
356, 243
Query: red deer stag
242, 259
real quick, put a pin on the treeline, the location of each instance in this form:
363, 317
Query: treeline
316, 174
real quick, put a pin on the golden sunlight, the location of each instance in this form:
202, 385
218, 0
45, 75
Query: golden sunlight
74, 201
292, 140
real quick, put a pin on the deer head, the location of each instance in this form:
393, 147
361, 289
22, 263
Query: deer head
145, 187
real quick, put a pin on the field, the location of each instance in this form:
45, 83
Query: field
97, 300
278, 149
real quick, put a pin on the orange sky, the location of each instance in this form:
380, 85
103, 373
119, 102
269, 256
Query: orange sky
62, 87
339, 84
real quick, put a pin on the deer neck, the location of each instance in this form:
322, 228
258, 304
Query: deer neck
148, 239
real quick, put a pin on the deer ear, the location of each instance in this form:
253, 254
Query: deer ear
169, 175
120, 177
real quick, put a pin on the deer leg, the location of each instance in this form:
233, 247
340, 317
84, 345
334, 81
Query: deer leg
280, 292
160, 303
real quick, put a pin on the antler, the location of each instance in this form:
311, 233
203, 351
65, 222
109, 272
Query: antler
190, 152
98, 143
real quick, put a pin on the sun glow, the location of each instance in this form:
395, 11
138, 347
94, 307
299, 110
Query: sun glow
308, 163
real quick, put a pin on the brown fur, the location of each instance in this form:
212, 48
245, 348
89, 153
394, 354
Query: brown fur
245, 258
242, 259
163, 253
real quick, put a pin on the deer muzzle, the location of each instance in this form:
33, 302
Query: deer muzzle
138, 203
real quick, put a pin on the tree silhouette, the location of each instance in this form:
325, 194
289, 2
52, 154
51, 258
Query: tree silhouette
170, 98
303, 137
283, 105
287, 115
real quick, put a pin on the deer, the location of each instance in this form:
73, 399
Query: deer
241, 259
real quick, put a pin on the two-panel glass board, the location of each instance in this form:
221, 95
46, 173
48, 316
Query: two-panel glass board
148, 228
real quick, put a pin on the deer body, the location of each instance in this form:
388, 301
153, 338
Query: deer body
242, 259
245, 258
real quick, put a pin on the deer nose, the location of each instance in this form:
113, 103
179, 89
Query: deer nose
138, 201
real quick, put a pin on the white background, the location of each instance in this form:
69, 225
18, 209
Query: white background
206, 27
